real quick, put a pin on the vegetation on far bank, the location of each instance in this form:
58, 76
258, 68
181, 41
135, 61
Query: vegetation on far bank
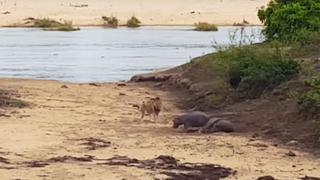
111, 21
52, 25
133, 22
204, 26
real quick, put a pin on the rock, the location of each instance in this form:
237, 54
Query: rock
159, 84
94, 84
292, 143
310, 178
258, 145
255, 135
6, 12
291, 154
122, 94
64, 86
185, 82
194, 88
160, 177
266, 178
121, 84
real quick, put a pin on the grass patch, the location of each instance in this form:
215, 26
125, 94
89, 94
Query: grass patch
133, 22
7, 99
112, 22
203, 26
52, 25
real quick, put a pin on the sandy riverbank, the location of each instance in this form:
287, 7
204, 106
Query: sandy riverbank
150, 12
42, 141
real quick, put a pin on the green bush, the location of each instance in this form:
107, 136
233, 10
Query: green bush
203, 26
133, 22
112, 22
309, 104
291, 20
252, 70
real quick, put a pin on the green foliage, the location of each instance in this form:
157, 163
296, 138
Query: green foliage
252, 70
309, 102
291, 20
112, 22
133, 22
313, 83
203, 26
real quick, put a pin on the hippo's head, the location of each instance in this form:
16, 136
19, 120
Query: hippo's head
176, 122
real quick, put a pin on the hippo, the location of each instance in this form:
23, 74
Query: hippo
217, 125
193, 119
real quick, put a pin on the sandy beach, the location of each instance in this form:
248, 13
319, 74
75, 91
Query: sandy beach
70, 133
150, 12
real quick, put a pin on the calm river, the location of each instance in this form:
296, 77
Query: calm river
103, 55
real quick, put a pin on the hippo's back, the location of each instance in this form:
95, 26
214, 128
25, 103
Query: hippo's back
195, 119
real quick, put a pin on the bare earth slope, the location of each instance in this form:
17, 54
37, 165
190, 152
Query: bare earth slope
69, 133
150, 12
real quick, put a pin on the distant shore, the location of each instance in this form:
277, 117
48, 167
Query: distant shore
150, 12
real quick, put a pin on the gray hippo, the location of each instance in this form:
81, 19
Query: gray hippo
217, 125
193, 119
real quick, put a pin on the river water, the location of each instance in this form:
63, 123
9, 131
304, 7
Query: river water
103, 55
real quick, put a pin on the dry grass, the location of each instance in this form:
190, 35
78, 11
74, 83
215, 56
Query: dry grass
52, 25
133, 22
112, 22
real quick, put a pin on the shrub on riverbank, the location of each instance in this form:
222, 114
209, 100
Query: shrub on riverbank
112, 22
309, 102
253, 70
53, 25
249, 71
203, 26
133, 22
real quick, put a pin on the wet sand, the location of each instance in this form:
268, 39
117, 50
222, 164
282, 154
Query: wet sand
86, 124
150, 12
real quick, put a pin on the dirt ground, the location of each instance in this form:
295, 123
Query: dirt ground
92, 131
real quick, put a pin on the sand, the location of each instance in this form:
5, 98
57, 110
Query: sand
150, 12
60, 119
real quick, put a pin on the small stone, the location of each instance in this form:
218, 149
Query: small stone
121, 84
291, 154
160, 177
64, 86
266, 178
94, 84
255, 135
158, 84
185, 82
122, 94
292, 142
